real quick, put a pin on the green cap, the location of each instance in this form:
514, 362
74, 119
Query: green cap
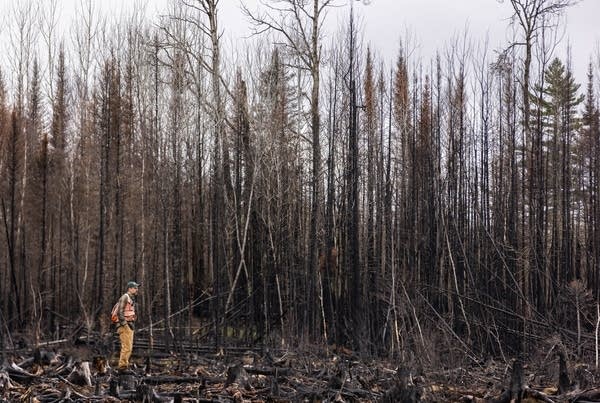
132, 284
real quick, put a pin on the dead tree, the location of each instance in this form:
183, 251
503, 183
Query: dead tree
531, 16
300, 25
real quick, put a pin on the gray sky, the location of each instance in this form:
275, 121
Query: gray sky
429, 24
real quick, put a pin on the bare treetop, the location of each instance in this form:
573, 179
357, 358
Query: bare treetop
280, 15
529, 14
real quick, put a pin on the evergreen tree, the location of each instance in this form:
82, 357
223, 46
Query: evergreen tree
588, 150
557, 105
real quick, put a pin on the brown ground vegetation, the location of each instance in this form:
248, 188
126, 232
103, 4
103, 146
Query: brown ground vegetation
78, 372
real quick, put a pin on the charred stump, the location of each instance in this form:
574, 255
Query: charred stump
404, 390
564, 383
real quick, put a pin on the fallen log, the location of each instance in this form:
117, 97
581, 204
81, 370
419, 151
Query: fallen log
64, 369
146, 393
18, 374
157, 380
269, 371
360, 393
591, 395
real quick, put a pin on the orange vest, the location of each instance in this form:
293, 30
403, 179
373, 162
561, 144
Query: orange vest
129, 310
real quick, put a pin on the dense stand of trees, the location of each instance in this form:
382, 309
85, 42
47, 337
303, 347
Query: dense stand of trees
429, 208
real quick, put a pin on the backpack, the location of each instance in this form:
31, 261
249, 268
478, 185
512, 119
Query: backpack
114, 314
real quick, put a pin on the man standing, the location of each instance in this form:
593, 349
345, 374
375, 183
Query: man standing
126, 324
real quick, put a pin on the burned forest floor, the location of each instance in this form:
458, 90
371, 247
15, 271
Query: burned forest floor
77, 372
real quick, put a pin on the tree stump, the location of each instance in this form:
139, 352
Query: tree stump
81, 375
404, 390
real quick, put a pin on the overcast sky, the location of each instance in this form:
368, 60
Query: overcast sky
430, 23
433, 23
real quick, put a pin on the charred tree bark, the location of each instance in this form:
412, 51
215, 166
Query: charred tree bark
353, 264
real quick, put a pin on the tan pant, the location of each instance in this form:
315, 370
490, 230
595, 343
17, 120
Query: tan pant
126, 337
